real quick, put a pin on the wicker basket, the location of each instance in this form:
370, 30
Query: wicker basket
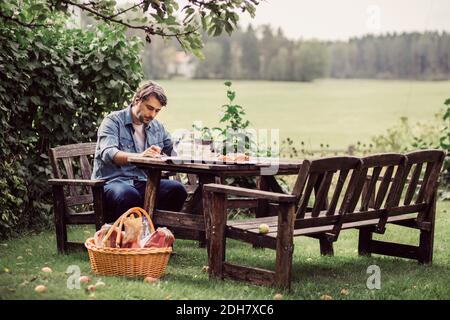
136, 262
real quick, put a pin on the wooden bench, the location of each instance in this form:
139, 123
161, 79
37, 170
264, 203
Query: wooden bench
364, 193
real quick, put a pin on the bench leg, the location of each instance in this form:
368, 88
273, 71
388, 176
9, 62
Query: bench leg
326, 246
285, 246
98, 207
197, 203
365, 237
426, 242
425, 252
60, 223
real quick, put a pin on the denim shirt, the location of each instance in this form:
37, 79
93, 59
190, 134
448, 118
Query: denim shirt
116, 134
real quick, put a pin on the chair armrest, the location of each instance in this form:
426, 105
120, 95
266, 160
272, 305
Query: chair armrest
259, 194
76, 182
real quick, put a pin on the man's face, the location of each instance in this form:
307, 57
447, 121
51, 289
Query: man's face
147, 110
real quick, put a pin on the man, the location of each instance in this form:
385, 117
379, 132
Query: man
130, 132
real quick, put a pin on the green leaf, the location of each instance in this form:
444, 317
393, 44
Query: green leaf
36, 100
228, 28
113, 64
198, 53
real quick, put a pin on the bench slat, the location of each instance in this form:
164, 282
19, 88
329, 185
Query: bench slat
322, 193
413, 184
69, 172
424, 184
370, 189
305, 197
372, 217
382, 190
254, 275
74, 150
337, 191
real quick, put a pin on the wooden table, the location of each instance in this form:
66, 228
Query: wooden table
192, 219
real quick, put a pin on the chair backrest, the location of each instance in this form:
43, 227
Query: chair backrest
74, 161
421, 176
380, 180
318, 175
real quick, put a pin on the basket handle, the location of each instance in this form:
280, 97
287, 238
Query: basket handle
119, 223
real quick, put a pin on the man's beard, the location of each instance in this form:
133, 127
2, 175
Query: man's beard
142, 120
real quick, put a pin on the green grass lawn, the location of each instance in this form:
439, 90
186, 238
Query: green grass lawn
338, 112
334, 112
313, 275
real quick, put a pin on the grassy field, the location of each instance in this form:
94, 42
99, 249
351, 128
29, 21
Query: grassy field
313, 275
334, 112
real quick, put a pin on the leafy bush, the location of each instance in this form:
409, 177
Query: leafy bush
444, 143
56, 83
423, 135
406, 136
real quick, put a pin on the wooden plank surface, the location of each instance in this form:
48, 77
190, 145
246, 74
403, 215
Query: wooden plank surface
74, 150
177, 219
256, 276
230, 190
284, 167
76, 182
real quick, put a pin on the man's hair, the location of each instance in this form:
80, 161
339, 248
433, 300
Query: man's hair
150, 89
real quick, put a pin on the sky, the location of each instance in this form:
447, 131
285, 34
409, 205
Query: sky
343, 19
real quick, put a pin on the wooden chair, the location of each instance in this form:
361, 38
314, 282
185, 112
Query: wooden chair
349, 206
76, 198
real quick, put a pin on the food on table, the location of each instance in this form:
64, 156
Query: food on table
234, 157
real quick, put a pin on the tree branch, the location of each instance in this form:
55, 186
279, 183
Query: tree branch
146, 29
126, 10
23, 24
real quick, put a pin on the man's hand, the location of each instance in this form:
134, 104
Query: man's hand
152, 152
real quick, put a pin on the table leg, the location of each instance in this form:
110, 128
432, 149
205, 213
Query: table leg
274, 186
262, 209
197, 202
151, 190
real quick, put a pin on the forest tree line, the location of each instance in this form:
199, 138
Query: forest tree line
267, 54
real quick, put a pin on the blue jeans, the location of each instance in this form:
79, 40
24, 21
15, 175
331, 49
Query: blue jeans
120, 196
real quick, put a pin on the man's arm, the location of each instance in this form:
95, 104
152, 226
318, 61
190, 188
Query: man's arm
108, 139
121, 157
109, 145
